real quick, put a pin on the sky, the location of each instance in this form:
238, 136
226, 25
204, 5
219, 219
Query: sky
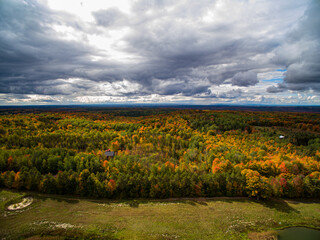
159, 51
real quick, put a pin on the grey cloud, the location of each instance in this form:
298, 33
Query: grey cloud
304, 72
231, 94
32, 53
110, 17
170, 40
245, 79
276, 89
177, 47
235, 93
300, 52
185, 89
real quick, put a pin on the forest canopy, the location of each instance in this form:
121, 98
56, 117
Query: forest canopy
161, 153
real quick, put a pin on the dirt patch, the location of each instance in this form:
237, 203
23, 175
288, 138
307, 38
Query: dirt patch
23, 204
263, 236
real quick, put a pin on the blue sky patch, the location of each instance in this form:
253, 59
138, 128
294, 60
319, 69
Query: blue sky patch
275, 80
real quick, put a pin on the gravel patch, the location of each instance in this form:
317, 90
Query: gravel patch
23, 204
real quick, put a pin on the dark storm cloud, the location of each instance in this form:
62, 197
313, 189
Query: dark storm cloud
177, 46
300, 53
31, 54
177, 51
245, 79
183, 88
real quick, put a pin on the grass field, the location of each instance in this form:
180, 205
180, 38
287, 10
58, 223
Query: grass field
56, 217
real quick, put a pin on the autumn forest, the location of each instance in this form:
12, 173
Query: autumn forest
161, 153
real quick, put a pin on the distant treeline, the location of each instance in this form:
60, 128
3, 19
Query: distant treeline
162, 153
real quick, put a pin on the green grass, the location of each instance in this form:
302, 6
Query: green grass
220, 218
9, 197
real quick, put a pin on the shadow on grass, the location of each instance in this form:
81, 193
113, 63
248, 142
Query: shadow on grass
279, 205
57, 198
194, 202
